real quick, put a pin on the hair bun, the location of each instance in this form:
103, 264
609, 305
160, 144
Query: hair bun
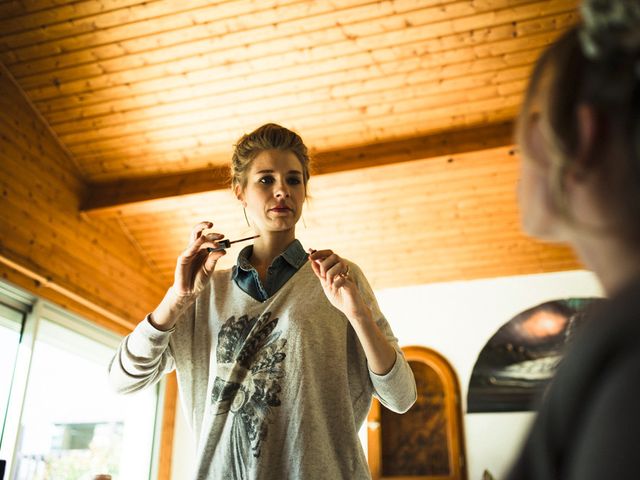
610, 27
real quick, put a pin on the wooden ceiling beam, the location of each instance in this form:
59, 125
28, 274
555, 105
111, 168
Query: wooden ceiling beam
112, 199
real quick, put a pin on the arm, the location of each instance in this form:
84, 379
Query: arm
350, 293
144, 355
141, 359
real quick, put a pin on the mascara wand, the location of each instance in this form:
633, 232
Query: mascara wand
226, 243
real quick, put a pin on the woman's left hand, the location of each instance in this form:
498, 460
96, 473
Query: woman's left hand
344, 294
339, 288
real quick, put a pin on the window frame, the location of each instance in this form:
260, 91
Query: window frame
36, 309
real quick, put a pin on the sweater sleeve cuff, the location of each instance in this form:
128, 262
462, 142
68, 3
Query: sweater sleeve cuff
146, 337
381, 379
396, 389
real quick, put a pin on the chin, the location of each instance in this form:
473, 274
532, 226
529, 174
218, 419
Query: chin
279, 227
543, 231
282, 223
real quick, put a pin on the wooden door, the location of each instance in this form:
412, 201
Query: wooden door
427, 442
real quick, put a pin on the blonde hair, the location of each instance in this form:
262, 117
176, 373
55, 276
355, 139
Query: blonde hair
267, 137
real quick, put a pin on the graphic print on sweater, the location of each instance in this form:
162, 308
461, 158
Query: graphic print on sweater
250, 355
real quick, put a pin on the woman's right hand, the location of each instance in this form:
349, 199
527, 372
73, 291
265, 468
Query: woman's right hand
195, 264
193, 271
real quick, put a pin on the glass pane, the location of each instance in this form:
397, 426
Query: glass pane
417, 443
73, 426
10, 326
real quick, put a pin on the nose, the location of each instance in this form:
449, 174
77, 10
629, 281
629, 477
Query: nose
281, 190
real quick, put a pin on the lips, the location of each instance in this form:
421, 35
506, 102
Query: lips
280, 210
281, 207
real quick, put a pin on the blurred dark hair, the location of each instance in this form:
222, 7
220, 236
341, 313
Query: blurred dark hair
597, 63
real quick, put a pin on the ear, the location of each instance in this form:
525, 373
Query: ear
587, 119
239, 193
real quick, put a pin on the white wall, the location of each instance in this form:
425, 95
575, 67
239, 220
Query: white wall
457, 319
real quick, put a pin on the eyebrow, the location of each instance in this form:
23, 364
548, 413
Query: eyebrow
295, 172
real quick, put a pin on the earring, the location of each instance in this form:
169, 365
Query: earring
244, 210
304, 224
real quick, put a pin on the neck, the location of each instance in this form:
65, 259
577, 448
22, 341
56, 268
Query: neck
268, 246
614, 262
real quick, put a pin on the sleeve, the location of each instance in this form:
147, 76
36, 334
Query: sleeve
608, 442
142, 358
396, 390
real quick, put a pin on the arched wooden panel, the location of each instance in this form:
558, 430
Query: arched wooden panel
427, 442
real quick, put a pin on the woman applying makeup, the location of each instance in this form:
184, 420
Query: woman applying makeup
277, 358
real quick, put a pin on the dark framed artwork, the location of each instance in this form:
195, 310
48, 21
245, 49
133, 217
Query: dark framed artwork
516, 364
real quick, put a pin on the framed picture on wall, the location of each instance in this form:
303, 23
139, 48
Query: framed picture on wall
516, 364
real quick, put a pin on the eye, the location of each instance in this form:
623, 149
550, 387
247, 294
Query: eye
294, 181
267, 179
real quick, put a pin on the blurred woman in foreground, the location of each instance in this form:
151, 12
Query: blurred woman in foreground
579, 132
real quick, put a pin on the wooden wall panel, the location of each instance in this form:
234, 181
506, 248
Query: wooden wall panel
140, 88
135, 90
447, 218
58, 253
357, 100
441, 219
118, 197
445, 50
47, 290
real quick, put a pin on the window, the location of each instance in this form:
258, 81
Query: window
71, 425
11, 320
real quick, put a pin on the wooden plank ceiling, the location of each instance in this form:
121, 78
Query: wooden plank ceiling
407, 106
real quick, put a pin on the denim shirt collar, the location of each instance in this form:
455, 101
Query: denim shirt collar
294, 255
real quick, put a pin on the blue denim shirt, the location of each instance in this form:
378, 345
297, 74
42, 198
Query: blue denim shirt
279, 272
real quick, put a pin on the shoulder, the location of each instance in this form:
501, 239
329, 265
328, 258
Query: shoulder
606, 440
